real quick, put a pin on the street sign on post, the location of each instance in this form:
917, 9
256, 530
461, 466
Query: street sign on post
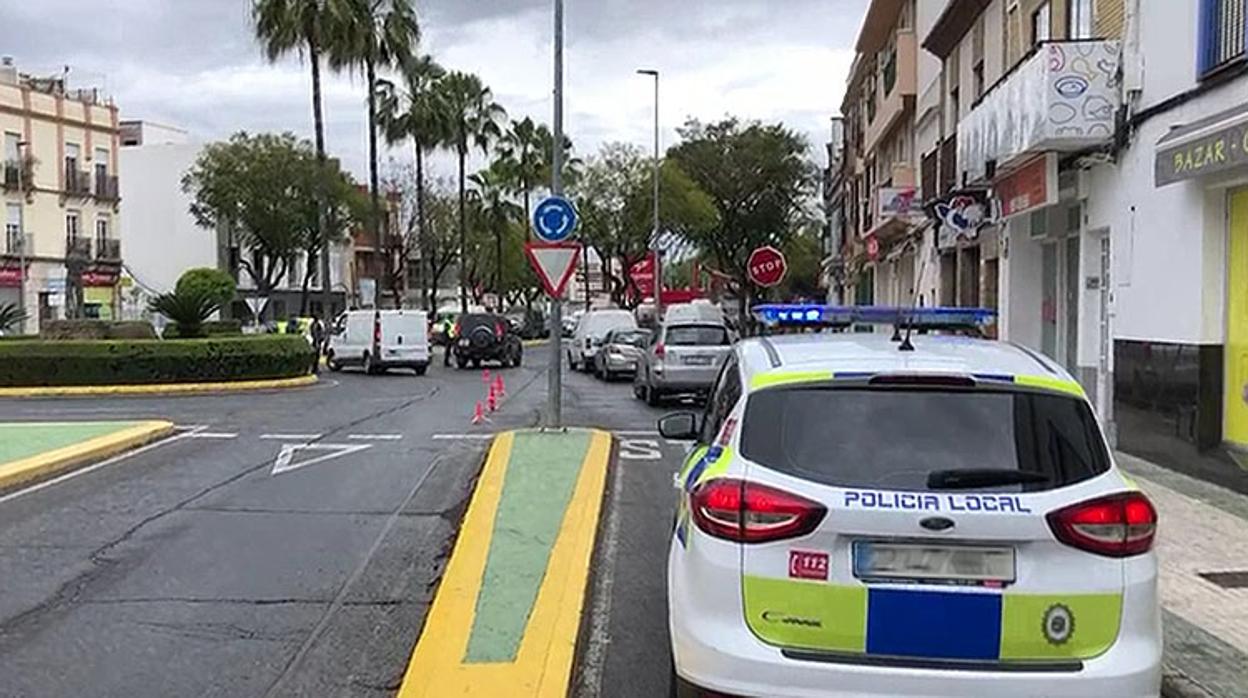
554, 263
554, 219
766, 266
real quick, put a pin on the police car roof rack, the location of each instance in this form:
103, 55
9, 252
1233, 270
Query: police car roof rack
933, 319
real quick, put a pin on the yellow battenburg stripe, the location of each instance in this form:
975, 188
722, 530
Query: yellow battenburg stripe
774, 378
1059, 626
807, 615
1055, 384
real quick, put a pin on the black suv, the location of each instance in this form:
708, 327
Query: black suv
485, 337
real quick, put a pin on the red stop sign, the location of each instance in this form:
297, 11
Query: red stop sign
766, 266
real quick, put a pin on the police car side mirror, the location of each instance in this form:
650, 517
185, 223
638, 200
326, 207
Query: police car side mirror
681, 426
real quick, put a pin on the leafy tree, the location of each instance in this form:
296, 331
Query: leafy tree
476, 120
416, 111
615, 198
263, 192
760, 181
207, 282
803, 252
439, 243
10, 316
283, 26
525, 158
373, 35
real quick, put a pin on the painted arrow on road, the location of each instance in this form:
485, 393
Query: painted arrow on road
285, 461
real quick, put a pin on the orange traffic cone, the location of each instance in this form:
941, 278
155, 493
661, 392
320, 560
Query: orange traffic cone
492, 400
478, 414
499, 386
485, 376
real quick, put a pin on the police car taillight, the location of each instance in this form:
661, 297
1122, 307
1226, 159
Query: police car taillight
749, 512
1119, 525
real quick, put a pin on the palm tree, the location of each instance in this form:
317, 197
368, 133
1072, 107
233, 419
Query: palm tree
373, 35
475, 118
416, 111
521, 155
283, 26
497, 213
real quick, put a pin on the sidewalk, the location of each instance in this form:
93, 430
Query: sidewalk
1204, 531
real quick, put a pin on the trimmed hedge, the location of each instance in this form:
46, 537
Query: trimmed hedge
212, 328
97, 329
64, 363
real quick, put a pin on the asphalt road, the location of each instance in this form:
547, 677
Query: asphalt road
221, 562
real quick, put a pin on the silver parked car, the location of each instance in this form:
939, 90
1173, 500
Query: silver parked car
621, 349
681, 358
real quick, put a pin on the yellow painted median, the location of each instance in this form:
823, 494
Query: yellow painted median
83, 443
506, 615
157, 388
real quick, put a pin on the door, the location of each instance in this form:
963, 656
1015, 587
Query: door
1235, 409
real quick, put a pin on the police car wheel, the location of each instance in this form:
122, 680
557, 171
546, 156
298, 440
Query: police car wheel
332, 364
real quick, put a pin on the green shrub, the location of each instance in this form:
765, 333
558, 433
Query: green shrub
114, 362
10, 316
206, 282
213, 328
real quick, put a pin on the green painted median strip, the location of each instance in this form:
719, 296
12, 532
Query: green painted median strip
536, 490
20, 440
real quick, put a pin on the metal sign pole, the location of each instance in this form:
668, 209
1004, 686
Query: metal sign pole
554, 391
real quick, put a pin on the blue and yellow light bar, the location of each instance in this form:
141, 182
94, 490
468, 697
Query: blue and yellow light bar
817, 315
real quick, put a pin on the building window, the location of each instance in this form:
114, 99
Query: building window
13, 228
11, 153
1041, 21
73, 226
72, 155
101, 227
1079, 19
1223, 26
978, 73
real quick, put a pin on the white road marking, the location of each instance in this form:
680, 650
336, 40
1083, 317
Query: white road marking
215, 435
461, 437
96, 466
283, 464
596, 646
375, 437
635, 432
640, 449
290, 437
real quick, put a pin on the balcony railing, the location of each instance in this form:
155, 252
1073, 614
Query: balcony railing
1223, 34
106, 187
1063, 98
107, 249
899, 80
77, 182
78, 247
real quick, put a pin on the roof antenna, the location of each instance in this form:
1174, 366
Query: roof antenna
906, 345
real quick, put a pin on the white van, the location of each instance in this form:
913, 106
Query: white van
591, 328
377, 340
698, 310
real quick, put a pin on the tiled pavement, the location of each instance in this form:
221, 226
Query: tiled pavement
1204, 529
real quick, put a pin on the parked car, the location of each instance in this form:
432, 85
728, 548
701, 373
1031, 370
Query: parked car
620, 351
591, 329
700, 310
569, 324
378, 340
481, 337
681, 358
529, 325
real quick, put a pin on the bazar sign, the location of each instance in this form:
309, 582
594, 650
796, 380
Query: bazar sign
1221, 150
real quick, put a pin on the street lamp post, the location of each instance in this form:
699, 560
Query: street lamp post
654, 243
21, 234
554, 385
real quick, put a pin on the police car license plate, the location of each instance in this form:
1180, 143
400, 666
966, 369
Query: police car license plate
698, 360
925, 562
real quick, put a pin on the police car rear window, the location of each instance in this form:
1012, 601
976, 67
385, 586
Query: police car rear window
895, 439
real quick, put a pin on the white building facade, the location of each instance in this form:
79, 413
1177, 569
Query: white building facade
162, 239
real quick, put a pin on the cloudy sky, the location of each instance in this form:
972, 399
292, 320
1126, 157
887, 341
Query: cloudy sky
194, 63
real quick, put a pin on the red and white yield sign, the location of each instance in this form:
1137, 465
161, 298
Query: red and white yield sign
554, 263
766, 266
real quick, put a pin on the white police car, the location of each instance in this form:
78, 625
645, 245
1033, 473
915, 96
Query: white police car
935, 516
